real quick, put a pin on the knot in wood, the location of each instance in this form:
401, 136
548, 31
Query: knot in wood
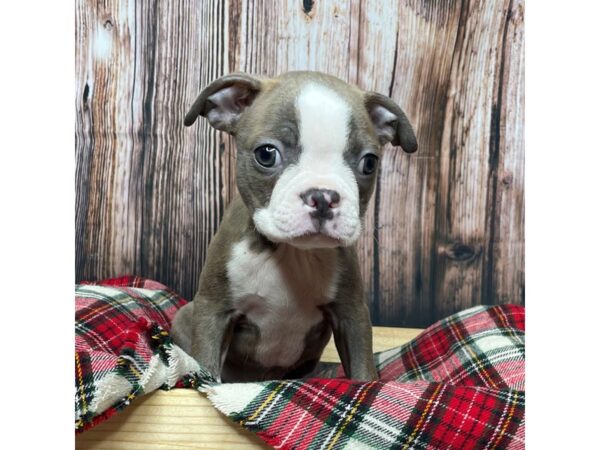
460, 252
507, 179
307, 6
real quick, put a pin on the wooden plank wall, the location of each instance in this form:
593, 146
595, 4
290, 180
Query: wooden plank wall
445, 228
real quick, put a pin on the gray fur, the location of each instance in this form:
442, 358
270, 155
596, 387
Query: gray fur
261, 111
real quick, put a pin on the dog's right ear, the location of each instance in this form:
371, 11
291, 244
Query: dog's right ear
224, 100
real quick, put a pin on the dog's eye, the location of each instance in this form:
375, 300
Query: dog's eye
368, 164
267, 156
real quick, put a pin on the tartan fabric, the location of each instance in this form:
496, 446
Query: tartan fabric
458, 385
122, 345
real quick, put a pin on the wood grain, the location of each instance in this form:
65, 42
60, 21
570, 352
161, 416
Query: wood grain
185, 419
407, 194
467, 192
444, 230
505, 281
177, 419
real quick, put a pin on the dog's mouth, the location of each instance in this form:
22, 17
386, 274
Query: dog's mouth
305, 232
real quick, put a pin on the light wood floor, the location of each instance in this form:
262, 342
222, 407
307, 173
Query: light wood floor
184, 419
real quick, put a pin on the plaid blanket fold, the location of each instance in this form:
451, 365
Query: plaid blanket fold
122, 346
458, 385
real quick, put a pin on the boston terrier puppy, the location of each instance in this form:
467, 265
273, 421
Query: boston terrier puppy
282, 272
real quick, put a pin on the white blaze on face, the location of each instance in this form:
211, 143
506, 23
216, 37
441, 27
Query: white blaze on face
324, 119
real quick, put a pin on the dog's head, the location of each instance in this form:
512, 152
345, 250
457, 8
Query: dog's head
308, 150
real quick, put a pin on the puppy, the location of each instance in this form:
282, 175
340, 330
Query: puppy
281, 274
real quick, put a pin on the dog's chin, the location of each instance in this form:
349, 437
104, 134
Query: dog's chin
314, 241
308, 241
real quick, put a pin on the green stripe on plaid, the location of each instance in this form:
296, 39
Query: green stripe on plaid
458, 385
452, 387
122, 346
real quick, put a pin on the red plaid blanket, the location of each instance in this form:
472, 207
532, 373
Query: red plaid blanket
459, 385
122, 346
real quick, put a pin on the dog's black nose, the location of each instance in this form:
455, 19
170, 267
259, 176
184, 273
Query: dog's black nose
323, 201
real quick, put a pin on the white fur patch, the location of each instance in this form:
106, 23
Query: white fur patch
324, 119
280, 292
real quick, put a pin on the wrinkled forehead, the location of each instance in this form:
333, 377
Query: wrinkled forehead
311, 115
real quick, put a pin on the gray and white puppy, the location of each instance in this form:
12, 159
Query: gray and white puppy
282, 273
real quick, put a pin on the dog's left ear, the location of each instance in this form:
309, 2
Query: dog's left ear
224, 100
390, 122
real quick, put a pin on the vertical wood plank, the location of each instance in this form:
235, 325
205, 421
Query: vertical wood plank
376, 29
468, 159
83, 133
505, 275
407, 208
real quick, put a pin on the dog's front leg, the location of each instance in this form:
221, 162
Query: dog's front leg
212, 331
353, 336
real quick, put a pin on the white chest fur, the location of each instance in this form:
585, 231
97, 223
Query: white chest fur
280, 292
